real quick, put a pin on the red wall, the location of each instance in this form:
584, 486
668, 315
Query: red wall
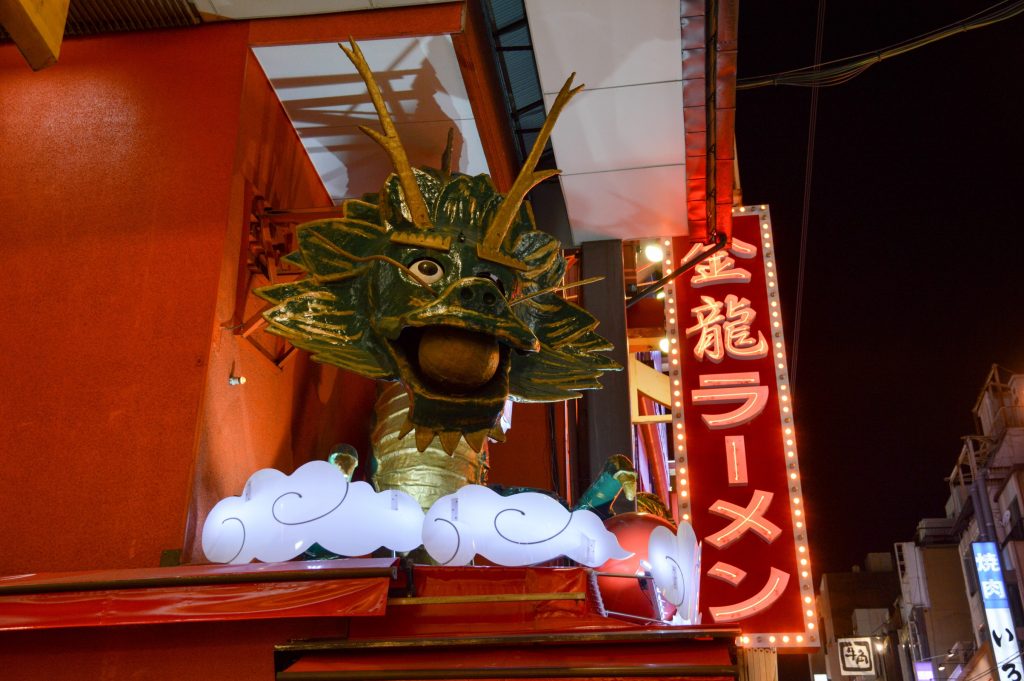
222, 651
524, 459
113, 174
282, 416
123, 174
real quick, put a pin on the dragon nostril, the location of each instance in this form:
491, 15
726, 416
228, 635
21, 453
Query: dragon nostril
489, 298
466, 294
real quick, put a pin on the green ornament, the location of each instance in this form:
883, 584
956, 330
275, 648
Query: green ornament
442, 283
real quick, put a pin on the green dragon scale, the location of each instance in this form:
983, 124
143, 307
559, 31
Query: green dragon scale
442, 283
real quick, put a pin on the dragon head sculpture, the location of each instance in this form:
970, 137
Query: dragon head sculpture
442, 283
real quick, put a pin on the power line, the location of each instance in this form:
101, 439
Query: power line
812, 126
839, 71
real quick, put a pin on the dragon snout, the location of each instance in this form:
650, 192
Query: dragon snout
480, 295
473, 304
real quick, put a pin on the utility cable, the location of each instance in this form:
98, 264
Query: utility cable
988, 672
839, 71
812, 125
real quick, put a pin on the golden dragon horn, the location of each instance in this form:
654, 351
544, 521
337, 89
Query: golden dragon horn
390, 140
502, 222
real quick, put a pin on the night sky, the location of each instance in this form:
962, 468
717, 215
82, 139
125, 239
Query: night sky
914, 276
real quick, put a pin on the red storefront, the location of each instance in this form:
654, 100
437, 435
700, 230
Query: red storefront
135, 173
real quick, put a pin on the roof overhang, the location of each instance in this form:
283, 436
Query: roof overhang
326, 101
645, 150
620, 144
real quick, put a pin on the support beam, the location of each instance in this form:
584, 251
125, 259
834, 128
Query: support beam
37, 28
606, 423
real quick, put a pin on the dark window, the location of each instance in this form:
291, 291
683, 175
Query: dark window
1016, 529
970, 574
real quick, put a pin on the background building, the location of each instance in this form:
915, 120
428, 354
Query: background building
935, 632
857, 604
927, 619
985, 492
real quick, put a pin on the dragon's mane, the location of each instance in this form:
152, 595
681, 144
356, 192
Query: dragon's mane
327, 312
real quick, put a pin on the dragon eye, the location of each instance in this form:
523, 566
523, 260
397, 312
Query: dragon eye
426, 270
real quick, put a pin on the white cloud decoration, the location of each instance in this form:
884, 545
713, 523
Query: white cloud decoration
521, 529
675, 566
280, 516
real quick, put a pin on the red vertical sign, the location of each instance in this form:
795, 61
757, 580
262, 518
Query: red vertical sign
737, 476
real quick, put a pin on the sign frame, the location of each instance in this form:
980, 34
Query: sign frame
769, 474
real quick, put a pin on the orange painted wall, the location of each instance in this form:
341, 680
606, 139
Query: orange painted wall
122, 194
282, 416
524, 459
113, 175
122, 181
213, 651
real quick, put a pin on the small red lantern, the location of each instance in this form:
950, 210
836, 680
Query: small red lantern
626, 586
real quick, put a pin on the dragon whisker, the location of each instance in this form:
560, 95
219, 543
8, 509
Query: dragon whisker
560, 287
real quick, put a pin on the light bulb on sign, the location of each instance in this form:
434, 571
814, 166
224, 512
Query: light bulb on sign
663, 344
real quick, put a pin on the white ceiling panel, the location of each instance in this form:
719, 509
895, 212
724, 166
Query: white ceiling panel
326, 100
626, 204
624, 127
607, 43
350, 165
256, 9
419, 77
621, 142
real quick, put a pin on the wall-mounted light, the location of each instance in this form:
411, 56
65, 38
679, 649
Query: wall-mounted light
654, 253
233, 378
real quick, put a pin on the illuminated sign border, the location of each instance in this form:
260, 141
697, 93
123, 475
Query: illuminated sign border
675, 318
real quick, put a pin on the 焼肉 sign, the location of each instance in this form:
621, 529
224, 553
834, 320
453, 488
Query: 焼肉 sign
1001, 630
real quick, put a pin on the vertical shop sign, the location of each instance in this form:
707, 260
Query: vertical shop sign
1001, 631
737, 478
